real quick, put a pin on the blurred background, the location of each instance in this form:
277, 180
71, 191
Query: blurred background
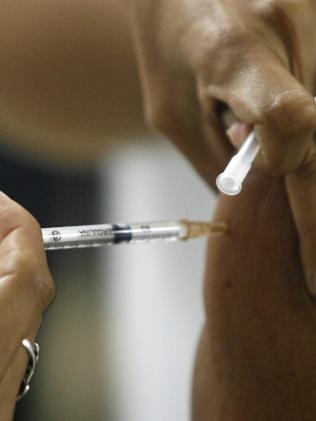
118, 343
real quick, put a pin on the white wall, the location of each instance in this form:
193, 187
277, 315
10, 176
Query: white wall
153, 292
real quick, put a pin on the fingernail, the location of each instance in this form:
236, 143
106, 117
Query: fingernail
230, 132
236, 134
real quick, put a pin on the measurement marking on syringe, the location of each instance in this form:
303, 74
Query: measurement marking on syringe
96, 232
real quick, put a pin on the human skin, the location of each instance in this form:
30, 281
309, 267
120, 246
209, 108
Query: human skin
256, 359
256, 356
26, 290
258, 58
68, 87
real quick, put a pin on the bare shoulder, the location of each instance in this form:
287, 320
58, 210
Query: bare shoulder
255, 360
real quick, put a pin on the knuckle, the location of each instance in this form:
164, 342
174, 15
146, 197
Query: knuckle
7, 214
23, 262
291, 103
32, 221
291, 110
32, 273
33, 225
288, 123
46, 289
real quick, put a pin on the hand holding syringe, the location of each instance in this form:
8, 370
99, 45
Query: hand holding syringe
230, 181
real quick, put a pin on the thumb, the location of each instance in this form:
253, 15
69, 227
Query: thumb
262, 92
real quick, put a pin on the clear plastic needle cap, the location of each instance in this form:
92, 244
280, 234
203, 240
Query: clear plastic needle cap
230, 181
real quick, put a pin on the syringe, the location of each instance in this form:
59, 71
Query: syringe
143, 232
230, 181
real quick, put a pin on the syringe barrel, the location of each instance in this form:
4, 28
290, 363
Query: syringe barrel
100, 235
